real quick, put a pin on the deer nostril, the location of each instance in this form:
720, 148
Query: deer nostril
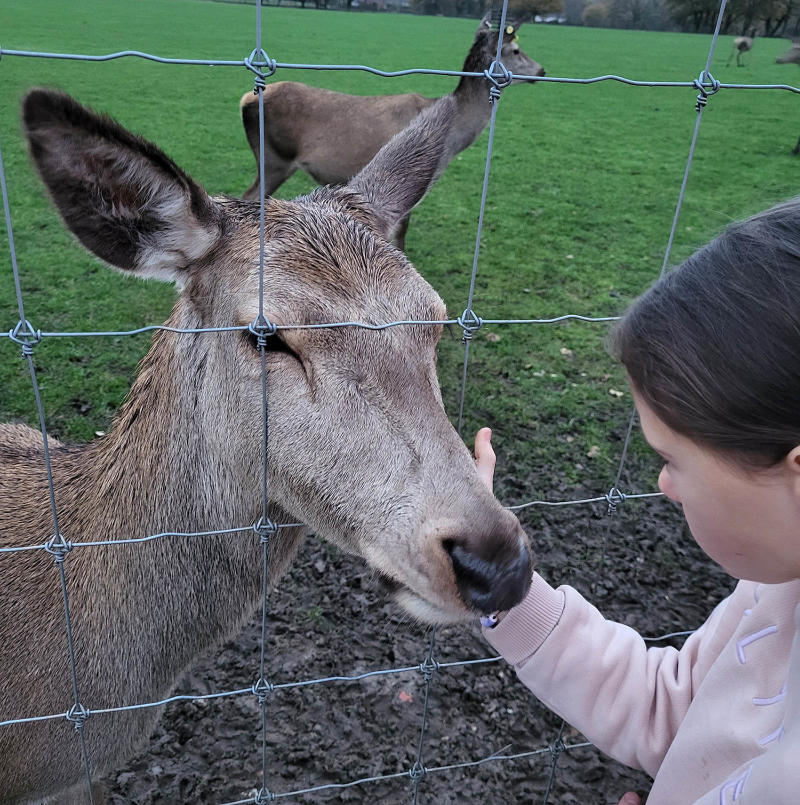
489, 585
541, 71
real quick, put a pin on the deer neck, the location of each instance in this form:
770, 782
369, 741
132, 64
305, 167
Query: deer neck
164, 466
473, 112
168, 465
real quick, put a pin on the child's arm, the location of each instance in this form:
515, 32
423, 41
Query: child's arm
599, 675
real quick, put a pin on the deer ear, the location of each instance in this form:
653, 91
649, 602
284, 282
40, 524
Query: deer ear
124, 199
400, 173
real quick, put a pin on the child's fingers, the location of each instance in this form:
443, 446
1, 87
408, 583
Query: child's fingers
484, 456
630, 798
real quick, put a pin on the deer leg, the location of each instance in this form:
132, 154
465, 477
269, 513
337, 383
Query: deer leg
796, 149
276, 172
399, 235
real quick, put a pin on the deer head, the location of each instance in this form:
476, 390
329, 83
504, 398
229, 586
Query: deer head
512, 56
360, 447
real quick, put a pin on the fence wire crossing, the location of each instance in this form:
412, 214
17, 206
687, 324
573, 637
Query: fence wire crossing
59, 544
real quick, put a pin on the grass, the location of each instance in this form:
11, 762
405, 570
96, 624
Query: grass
583, 188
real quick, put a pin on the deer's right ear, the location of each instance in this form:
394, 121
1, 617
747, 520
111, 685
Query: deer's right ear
124, 199
400, 173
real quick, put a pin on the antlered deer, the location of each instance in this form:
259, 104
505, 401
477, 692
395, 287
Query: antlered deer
331, 136
360, 447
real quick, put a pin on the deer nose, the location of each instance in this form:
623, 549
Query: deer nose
487, 585
541, 71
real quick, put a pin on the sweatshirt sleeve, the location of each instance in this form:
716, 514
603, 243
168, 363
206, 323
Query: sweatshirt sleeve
600, 676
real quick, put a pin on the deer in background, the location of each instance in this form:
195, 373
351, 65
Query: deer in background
741, 45
792, 56
331, 135
360, 446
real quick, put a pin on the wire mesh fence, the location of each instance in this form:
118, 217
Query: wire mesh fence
60, 545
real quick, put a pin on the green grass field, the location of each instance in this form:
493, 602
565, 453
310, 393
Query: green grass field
582, 193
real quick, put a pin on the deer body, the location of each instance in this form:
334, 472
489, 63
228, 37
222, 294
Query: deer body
741, 45
360, 447
332, 135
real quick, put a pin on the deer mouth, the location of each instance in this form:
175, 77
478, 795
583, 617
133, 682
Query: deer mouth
417, 605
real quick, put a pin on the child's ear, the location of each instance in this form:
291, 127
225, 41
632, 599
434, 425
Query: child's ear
793, 459
792, 464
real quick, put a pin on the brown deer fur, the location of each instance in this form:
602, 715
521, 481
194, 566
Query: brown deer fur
331, 136
360, 447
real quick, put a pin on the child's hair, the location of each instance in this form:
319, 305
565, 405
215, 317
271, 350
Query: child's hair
713, 347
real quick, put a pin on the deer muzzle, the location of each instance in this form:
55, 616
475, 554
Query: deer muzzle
486, 585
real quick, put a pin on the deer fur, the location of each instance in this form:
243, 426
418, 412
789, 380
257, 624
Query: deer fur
331, 135
360, 447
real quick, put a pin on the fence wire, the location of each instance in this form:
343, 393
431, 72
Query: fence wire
59, 545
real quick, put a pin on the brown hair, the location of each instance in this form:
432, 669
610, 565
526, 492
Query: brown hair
714, 346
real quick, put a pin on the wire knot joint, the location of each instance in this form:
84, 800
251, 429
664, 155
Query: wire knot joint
707, 86
261, 689
262, 328
255, 63
265, 528
78, 714
58, 547
469, 323
417, 772
614, 498
500, 77
262, 796
556, 748
24, 335
427, 668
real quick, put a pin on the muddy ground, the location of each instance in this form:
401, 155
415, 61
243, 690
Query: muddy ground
330, 618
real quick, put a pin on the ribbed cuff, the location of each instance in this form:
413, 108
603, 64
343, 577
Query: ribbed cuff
525, 627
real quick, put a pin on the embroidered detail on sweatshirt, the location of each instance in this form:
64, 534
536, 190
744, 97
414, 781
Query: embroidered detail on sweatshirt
751, 638
778, 697
735, 787
773, 736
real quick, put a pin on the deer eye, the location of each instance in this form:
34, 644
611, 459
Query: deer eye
275, 345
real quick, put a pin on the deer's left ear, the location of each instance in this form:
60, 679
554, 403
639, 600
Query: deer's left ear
400, 173
124, 199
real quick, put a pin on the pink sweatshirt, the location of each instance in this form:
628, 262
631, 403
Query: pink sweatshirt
716, 722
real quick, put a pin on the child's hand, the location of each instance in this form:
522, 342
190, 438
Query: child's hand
484, 456
630, 798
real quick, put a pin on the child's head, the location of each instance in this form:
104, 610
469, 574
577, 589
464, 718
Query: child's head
713, 354
714, 347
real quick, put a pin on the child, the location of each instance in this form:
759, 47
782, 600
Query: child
712, 353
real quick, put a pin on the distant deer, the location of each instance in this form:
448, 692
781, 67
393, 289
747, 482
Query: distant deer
741, 45
792, 56
331, 136
360, 446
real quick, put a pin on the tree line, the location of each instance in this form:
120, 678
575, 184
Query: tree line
742, 17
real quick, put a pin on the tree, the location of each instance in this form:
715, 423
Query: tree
528, 9
696, 15
573, 11
640, 14
595, 15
